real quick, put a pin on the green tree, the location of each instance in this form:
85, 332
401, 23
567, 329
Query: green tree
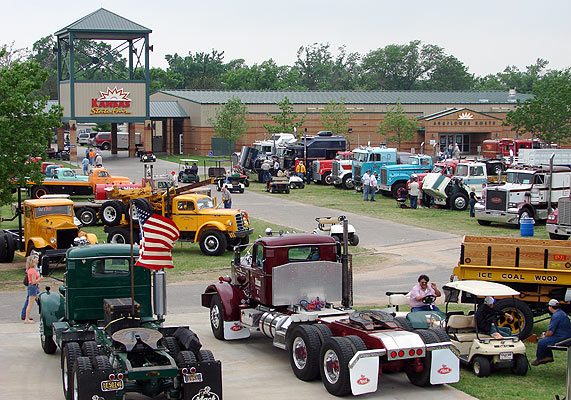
548, 114
449, 74
200, 70
25, 123
102, 127
513, 78
285, 121
230, 120
335, 118
397, 127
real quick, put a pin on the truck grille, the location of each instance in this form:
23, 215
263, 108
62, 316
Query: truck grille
564, 213
335, 169
315, 170
65, 237
357, 177
496, 200
240, 222
383, 176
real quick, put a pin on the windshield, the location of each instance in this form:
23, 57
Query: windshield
437, 168
361, 157
519, 177
413, 161
461, 170
52, 210
204, 202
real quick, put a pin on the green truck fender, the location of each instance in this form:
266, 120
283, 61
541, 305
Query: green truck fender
52, 309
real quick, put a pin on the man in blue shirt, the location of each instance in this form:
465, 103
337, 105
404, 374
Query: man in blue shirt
559, 329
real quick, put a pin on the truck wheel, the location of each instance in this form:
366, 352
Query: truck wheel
82, 364
206, 355
39, 191
292, 185
440, 334
172, 345
459, 202
89, 349
71, 352
246, 182
3, 247
10, 248
422, 378
484, 223
217, 317
105, 146
481, 366
555, 236
526, 213
212, 243
48, 344
142, 204
404, 323
101, 363
119, 235
397, 188
185, 359
347, 182
326, 179
520, 364
304, 345
354, 239
87, 216
334, 359
111, 212
287, 190
522, 316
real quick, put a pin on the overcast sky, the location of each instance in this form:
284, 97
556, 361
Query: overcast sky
485, 35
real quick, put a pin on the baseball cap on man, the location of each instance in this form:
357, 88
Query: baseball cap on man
489, 300
553, 303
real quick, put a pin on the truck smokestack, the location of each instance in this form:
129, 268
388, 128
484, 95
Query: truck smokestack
160, 293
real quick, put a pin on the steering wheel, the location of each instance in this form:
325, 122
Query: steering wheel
428, 299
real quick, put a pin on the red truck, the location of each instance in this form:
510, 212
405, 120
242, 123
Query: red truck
498, 148
286, 287
321, 169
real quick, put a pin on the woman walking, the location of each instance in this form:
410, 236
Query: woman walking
33, 285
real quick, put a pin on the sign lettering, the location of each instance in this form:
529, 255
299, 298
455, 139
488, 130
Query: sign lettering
112, 101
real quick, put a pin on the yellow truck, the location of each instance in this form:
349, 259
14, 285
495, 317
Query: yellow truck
540, 269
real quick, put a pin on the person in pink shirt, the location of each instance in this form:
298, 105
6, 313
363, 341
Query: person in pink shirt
33, 284
419, 293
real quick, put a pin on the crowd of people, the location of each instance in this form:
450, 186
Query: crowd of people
92, 159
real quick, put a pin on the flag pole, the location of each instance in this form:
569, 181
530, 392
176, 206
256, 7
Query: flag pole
132, 259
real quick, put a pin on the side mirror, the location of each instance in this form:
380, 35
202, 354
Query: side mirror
45, 262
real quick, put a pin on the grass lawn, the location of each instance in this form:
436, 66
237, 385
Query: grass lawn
457, 222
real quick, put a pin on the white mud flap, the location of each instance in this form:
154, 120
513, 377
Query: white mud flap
364, 372
235, 330
445, 367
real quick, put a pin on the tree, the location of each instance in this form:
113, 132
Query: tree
199, 71
9, 55
284, 121
25, 124
102, 127
335, 118
548, 114
397, 127
513, 78
449, 74
230, 120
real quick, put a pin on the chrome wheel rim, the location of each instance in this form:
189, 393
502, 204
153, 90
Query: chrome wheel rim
212, 243
215, 317
110, 214
331, 366
299, 353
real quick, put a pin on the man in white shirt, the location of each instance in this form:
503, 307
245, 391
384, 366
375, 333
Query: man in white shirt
414, 192
373, 185
366, 184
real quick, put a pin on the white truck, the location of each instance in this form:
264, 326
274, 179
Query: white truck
525, 194
537, 157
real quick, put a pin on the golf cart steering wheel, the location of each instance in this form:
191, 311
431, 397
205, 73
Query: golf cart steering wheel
428, 299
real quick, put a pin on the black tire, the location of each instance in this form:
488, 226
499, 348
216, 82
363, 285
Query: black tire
217, 317
87, 216
326, 178
334, 359
459, 202
101, 363
555, 236
303, 348
323, 331
292, 185
520, 365
404, 323
48, 344
71, 352
142, 204
3, 247
484, 223
522, 324
206, 355
272, 189
185, 359
172, 345
119, 235
213, 243
353, 239
440, 334
111, 212
82, 364
246, 182
397, 187
526, 213
39, 191
481, 366
287, 190
347, 182
357, 342
427, 336
421, 378
105, 146
10, 248
89, 349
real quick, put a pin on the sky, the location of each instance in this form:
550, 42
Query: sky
485, 35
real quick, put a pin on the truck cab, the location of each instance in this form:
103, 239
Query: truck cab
393, 178
67, 174
323, 169
372, 158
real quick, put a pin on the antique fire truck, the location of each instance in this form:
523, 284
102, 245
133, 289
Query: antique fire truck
285, 286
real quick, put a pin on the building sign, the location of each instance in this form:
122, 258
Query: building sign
465, 115
111, 101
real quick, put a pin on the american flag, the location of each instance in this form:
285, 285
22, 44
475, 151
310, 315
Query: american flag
158, 235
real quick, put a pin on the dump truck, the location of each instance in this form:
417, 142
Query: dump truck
111, 343
540, 269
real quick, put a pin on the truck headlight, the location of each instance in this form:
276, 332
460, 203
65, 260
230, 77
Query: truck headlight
512, 205
53, 240
229, 222
552, 218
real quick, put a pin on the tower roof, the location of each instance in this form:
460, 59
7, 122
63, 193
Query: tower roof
103, 24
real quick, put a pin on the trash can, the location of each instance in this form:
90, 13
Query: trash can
526, 226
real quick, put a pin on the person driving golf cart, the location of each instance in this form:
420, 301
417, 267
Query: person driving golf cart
423, 296
487, 320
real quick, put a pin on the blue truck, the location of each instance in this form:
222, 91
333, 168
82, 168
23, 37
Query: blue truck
372, 158
393, 178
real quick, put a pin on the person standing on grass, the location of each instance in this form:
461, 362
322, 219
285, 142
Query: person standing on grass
373, 185
559, 329
366, 179
473, 200
414, 192
33, 286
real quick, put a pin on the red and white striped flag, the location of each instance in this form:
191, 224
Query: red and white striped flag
158, 236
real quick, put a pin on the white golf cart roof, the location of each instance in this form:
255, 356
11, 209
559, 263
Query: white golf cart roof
482, 288
187, 160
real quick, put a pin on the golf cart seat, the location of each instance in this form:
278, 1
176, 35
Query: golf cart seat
463, 328
327, 220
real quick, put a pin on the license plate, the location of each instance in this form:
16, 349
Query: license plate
192, 378
507, 355
111, 386
496, 214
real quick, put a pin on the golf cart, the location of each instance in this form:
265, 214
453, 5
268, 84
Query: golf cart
147, 156
482, 352
185, 173
333, 226
295, 182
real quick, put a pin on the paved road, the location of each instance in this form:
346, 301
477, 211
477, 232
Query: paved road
253, 369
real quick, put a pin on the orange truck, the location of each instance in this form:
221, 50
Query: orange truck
75, 187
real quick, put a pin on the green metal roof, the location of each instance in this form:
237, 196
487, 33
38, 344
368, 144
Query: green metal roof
348, 97
167, 109
103, 21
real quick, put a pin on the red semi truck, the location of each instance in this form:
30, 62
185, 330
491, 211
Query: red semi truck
498, 148
321, 169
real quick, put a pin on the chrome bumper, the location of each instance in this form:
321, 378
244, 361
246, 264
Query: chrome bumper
511, 216
558, 229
